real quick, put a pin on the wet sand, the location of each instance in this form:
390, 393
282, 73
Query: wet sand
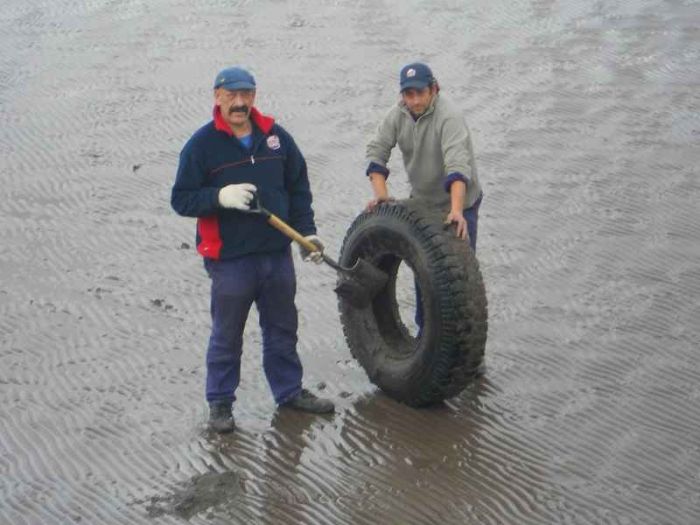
586, 126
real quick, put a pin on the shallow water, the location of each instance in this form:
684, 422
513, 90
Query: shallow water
586, 126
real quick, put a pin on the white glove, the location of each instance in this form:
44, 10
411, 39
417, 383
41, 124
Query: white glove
316, 256
237, 196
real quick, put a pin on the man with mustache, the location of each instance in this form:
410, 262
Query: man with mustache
238, 156
437, 154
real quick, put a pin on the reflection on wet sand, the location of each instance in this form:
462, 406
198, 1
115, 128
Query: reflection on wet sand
307, 469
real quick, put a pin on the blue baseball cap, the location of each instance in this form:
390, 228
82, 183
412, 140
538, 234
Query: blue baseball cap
234, 78
416, 75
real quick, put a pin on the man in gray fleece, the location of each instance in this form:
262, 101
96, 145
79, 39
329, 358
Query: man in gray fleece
437, 154
437, 151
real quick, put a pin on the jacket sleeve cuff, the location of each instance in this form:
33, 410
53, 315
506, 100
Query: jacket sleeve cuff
454, 177
377, 168
215, 199
309, 230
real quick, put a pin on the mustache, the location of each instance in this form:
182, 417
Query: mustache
238, 109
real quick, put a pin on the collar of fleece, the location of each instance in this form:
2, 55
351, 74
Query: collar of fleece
263, 122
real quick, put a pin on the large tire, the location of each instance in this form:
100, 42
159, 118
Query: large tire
438, 365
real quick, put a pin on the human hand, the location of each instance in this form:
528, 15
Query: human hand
315, 256
458, 219
375, 202
237, 196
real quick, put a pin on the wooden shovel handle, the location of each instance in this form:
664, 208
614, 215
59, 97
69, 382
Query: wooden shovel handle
290, 232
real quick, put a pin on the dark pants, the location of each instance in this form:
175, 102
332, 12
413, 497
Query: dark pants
471, 215
269, 281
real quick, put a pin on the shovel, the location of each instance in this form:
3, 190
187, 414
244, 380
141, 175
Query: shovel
358, 284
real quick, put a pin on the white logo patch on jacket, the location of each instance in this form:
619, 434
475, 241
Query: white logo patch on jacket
273, 142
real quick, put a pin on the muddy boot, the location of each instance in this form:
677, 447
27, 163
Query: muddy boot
308, 402
221, 417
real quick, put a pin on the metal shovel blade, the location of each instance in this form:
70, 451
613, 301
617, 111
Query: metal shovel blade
360, 283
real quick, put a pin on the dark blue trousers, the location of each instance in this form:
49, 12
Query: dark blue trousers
472, 217
269, 281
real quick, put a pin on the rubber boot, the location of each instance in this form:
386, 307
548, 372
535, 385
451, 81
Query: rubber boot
221, 417
308, 402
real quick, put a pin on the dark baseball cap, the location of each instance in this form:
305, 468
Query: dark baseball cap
234, 78
416, 75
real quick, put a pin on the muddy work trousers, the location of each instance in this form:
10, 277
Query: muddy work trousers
269, 281
471, 215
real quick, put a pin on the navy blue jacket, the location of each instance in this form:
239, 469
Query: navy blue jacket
213, 158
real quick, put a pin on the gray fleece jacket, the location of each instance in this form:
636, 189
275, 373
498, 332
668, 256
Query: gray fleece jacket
436, 149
